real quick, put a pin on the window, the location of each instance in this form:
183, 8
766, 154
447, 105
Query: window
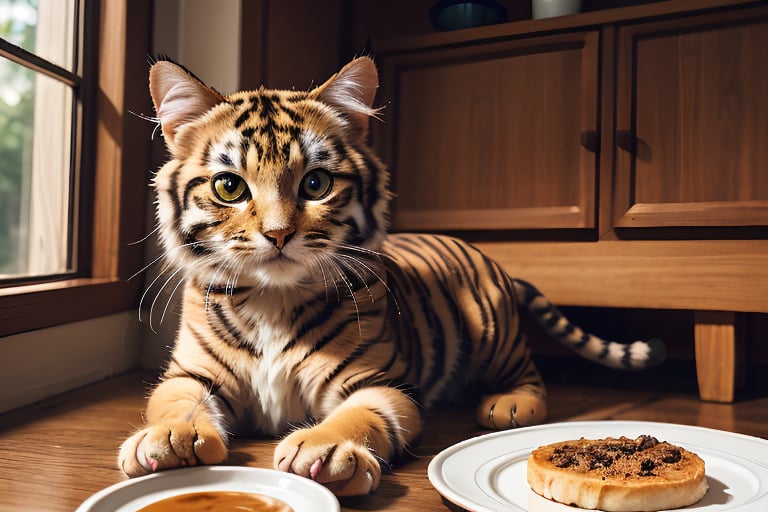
40, 124
75, 162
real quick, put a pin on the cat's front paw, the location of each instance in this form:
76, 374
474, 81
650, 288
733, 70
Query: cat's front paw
347, 468
170, 446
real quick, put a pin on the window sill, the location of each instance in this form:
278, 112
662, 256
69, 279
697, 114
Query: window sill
29, 307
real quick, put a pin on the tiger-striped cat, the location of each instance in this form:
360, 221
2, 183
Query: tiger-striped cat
299, 309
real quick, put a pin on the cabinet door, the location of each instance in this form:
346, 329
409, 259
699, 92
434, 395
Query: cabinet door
692, 122
488, 137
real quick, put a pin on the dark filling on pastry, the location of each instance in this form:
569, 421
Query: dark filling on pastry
614, 457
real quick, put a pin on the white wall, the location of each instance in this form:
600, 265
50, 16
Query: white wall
42, 363
203, 36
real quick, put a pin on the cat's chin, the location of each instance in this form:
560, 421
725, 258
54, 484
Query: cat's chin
280, 273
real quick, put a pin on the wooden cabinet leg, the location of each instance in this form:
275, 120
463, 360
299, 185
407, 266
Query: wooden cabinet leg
719, 354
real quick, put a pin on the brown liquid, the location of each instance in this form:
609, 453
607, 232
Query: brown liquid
223, 501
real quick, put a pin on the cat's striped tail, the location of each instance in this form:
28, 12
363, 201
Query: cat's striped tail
635, 355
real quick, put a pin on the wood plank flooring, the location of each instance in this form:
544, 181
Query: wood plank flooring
55, 454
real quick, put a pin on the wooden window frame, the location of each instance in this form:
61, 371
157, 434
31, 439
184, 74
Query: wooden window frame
116, 149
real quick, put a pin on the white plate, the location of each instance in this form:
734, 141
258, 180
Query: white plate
487, 473
302, 494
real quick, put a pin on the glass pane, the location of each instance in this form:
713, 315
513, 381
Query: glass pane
43, 27
35, 140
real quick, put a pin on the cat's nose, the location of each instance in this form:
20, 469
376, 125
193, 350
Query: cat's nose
280, 237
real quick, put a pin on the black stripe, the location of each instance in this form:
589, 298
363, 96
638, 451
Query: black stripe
211, 387
232, 334
433, 320
191, 241
245, 143
225, 160
357, 353
503, 283
372, 196
342, 199
173, 195
202, 342
582, 342
295, 116
296, 97
317, 234
191, 184
339, 328
626, 358
206, 157
319, 318
242, 118
228, 290
551, 322
197, 228
322, 156
504, 380
195, 246
340, 148
392, 428
286, 151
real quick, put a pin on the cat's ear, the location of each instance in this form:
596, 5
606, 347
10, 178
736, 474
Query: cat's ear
179, 97
351, 92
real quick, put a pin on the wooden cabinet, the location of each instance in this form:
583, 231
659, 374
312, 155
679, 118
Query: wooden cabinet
489, 136
616, 158
692, 121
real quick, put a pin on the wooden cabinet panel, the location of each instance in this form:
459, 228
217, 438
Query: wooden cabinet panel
489, 137
693, 122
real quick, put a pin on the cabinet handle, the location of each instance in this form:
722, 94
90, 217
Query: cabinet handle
626, 141
591, 141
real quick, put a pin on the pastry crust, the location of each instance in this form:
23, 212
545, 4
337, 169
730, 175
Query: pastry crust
617, 475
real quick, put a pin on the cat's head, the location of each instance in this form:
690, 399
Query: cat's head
268, 187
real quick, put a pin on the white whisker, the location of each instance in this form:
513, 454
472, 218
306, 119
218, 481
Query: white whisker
223, 271
364, 250
146, 237
325, 278
164, 255
327, 260
348, 284
370, 269
352, 268
152, 307
147, 266
146, 291
168, 303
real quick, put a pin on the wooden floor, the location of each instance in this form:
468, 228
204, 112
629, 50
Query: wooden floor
55, 454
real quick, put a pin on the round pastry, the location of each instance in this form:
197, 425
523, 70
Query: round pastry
617, 475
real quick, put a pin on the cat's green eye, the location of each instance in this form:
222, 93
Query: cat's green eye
316, 184
229, 187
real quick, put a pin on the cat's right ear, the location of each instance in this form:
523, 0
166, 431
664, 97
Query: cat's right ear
179, 97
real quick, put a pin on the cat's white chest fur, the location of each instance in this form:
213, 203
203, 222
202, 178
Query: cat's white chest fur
276, 400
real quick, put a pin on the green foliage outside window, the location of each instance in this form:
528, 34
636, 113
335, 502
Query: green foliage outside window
17, 90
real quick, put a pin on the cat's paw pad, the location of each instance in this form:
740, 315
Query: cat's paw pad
170, 446
345, 467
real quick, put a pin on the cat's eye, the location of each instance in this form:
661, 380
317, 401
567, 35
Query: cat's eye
316, 184
229, 187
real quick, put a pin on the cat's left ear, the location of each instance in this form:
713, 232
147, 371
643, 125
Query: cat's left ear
179, 97
351, 92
